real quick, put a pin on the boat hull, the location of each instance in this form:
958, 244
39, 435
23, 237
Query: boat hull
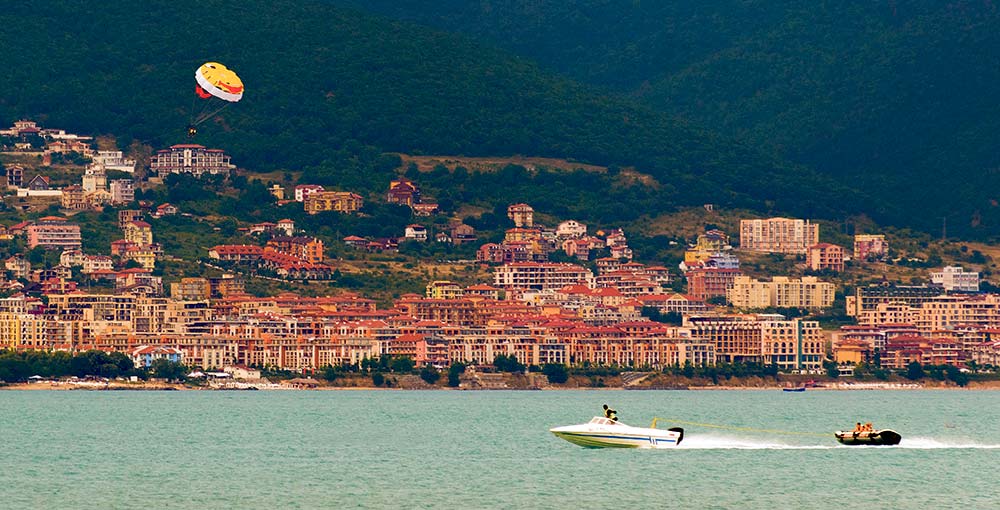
883, 437
619, 436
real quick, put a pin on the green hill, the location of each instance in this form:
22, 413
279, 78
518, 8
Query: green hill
897, 98
329, 88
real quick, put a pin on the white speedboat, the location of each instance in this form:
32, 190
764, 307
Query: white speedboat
602, 432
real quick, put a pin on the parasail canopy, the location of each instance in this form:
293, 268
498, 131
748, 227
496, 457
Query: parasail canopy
216, 80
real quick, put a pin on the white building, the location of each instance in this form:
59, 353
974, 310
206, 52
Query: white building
304, 190
956, 278
115, 160
571, 229
190, 159
416, 232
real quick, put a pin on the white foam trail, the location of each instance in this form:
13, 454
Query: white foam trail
716, 442
927, 443
712, 442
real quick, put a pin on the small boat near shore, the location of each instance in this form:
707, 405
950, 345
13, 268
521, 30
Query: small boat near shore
801, 388
602, 432
883, 437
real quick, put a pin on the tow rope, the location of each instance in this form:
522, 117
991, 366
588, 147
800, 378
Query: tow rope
741, 429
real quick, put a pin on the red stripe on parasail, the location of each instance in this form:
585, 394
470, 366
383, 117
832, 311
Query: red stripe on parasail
201, 92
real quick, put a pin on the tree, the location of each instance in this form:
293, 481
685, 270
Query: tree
505, 363
556, 373
170, 370
716, 300
956, 375
330, 373
688, 370
653, 314
771, 371
832, 370
402, 365
429, 374
914, 371
378, 379
454, 371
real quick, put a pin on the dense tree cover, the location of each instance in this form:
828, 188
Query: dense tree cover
429, 374
894, 97
653, 314
329, 89
723, 370
556, 373
169, 370
915, 372
18, 366
507, 363
454, 374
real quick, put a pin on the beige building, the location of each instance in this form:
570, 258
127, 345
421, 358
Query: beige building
191, 289
825, 256
522, 215
541, 276
339, 201
781, 292
766, 339
778, 235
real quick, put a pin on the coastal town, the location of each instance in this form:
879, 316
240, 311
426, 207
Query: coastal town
546, 293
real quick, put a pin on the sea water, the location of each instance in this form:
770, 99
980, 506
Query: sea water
491, 449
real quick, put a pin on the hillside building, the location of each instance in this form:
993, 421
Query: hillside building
956, 278
825, 256
781, 292
403, 191
339, 201
522, 215
706, 283
190, 159
54, 232
870, 247
778, 235
541, 276
122, 191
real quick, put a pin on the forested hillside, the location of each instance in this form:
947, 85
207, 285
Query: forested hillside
328, 89
896, 97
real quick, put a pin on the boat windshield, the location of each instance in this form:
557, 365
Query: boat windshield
600, 420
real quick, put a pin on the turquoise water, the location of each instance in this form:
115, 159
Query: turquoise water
450, 449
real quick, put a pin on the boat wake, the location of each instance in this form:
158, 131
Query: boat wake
715, 442
719, 442
927, 443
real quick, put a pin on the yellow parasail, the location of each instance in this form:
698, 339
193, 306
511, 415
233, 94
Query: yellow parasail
216, 80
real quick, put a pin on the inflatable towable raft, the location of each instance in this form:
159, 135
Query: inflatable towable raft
884, 437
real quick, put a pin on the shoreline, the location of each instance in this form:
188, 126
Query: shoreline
68, 386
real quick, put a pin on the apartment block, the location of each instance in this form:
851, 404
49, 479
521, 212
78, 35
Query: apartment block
541, 276
781, 292
825, 256
54, 232
705, 283
956, 278
778, 235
